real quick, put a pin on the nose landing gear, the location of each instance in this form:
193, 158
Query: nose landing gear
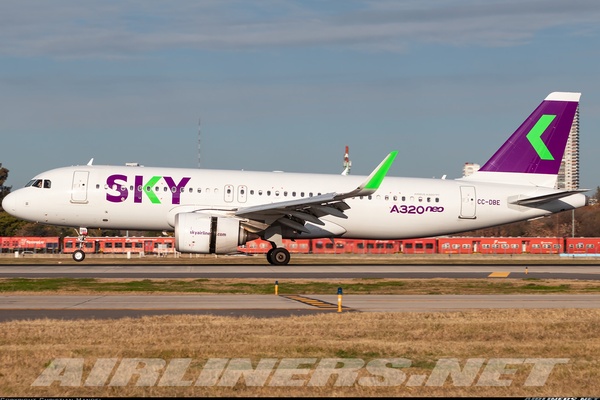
79, 254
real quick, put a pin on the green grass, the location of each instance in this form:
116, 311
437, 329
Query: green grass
295, 286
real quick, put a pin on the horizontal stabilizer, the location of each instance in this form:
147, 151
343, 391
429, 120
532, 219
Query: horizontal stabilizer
545, 198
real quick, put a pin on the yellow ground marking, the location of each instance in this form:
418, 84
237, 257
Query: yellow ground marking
313, 302
499, 275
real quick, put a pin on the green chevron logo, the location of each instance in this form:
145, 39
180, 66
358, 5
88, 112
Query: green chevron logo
535, 136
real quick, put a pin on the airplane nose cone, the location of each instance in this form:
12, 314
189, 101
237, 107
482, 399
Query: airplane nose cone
8, 203
13, 204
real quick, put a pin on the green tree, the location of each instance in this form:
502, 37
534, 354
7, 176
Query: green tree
9, 225
4, 190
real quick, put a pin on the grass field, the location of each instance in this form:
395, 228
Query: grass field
141, 351
295, 286
28, 347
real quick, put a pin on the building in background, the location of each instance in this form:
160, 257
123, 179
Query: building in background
469, 168
568, 175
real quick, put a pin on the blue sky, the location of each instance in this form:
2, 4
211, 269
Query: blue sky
285, 85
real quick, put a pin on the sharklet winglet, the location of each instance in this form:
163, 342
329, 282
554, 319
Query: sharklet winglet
374, 180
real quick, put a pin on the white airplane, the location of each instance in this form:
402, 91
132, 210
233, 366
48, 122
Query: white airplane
214, 211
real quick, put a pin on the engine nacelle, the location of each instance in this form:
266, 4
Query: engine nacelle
207, 234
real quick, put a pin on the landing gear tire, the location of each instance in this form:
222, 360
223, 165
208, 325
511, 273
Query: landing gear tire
269, 253
278, 256
79, 255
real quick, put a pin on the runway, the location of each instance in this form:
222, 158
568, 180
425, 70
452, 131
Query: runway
116, 306
15, 307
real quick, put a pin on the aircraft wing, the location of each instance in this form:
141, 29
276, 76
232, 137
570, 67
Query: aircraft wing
295, 213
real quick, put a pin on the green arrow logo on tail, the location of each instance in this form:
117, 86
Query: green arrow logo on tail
535, 136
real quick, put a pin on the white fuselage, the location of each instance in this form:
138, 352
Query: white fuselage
148, 198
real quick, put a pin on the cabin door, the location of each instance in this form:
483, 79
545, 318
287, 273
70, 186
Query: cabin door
467, 205
79, 189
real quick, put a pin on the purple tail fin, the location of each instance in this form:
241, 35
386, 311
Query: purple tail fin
538, 145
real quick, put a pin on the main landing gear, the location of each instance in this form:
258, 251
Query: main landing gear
278, 256
79, 255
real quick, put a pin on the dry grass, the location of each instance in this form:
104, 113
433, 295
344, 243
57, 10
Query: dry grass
26, 348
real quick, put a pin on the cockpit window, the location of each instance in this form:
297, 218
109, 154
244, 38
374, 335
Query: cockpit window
45, 183
35, 183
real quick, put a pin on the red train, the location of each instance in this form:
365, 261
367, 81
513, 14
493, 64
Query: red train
122, 245
29, 244
439, 245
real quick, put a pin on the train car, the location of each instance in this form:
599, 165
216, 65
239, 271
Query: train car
458, 245
419, 246
122, 245
259, 246
547, 245
373, 246
590, 245
500, 245
33, 244
443, 245
335, 246
297, 246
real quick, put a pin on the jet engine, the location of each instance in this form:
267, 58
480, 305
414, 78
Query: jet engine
207, 234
